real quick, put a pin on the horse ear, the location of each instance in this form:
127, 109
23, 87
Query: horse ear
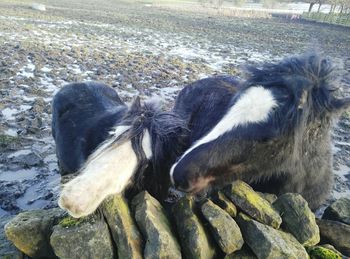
136, 104
340, 105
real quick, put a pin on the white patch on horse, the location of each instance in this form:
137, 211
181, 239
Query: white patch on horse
147, 144
107, 172
254, 106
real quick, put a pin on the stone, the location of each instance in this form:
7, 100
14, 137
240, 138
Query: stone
267, 242
30, 231
319, 252
338, 211
152, 220
297, 218
243, 196
330, 247
223, 228
7, 249
270, 197
123, 228
82, 238
335, 233
244, 253
195, 240
220, 199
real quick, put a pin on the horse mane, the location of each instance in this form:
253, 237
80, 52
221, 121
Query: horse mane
294, 73
305, 84
167, 131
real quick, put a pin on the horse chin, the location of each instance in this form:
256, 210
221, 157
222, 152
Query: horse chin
198, 185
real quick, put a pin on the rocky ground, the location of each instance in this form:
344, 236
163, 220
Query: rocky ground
235, 223
139, 49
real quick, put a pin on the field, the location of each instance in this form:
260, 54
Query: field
139, 48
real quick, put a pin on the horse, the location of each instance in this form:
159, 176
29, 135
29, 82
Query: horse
111, 145
271, 130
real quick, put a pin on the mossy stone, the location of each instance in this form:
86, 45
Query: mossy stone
319, 252
223, 227
7, 249
335, 233
270, 197
195, 241
243, 196
220, 199
152, 220
123, 228
82, 238
338, 211
267, 242
297, 218
30, 231
244, 253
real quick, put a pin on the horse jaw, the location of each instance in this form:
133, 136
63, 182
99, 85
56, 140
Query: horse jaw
108, 172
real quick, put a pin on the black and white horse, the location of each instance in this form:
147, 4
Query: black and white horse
273, 131
111, 145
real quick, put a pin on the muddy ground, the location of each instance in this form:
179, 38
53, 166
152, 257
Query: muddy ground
140, 49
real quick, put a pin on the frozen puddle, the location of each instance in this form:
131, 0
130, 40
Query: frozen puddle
40, 195
20, 175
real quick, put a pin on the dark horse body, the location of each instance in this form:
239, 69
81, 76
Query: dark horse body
273, 131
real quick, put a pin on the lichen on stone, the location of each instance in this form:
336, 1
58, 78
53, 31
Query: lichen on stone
318, 252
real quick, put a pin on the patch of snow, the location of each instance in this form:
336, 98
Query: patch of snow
20, 153
27, 70
24, 107
11, 132
46, 69
9, 113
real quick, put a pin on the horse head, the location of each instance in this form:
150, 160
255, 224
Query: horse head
291, 102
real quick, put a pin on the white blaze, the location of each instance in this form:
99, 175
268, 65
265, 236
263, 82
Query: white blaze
254, 106
108, 171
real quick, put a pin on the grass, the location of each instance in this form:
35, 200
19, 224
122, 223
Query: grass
6, 140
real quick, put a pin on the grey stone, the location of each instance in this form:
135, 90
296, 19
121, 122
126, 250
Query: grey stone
338, 211
297, 218
267, 242
244, 253
123, 228
30, 231
335, 233
243, 196
223, 227
195, 240
155, 227
84, 238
